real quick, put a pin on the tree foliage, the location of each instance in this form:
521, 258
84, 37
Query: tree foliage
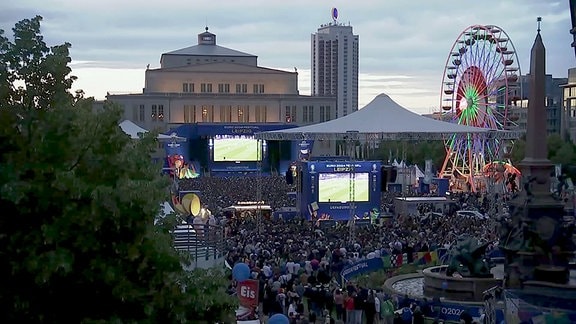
560, 151
78, 200
412, 152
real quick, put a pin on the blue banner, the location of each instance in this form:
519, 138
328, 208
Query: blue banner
302, 150
193, 131
362, 267
452, 311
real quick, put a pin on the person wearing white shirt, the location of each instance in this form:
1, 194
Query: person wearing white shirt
292, 314
377, 306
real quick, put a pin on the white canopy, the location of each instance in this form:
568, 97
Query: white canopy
381, 119
135, 131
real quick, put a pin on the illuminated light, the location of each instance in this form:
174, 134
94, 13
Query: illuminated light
482, 87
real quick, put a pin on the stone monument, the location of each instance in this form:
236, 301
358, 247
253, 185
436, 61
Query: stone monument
536, 243
467, 276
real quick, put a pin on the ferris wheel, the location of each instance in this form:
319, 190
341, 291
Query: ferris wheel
479, 84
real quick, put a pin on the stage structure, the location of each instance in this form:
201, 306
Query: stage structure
480, 83
382, 119
228, 148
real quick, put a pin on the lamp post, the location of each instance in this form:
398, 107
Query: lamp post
351, 138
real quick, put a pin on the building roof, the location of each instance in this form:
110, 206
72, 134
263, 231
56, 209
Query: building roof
208, 50
221, 67
381, 119
207, 47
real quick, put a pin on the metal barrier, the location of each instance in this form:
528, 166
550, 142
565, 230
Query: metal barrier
204, 243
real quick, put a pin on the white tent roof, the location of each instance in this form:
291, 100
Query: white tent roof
381, 119
135, 131
419, 173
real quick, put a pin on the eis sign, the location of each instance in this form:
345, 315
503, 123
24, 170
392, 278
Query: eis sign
247, 292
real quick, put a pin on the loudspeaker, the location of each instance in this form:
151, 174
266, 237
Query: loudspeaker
392, 174
384, 177
289, 178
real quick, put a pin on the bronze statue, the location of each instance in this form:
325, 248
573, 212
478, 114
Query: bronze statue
467, 258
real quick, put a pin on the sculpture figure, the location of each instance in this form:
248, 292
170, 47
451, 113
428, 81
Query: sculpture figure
467, 258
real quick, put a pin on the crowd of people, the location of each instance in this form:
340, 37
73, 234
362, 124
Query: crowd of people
294, 261
221, 192
298, 264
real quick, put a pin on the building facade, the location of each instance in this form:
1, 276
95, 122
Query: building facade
518, 113
334, 65
569, 106
208, 83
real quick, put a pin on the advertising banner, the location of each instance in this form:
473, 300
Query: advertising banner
362, 267
303, 149
452, 312
247, 292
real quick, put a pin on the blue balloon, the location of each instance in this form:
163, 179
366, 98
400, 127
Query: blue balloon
241, 272
444, 285
278, 319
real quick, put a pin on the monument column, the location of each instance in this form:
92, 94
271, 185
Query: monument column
534, 241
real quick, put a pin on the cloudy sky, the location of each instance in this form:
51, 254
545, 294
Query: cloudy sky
403, 44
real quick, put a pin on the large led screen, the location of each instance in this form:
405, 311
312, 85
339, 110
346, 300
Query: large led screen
335, 187
236, 148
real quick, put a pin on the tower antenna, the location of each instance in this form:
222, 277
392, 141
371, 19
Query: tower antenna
539, 20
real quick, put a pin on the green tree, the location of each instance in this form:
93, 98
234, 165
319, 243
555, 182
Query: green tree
78, 200
414, 152
560, 151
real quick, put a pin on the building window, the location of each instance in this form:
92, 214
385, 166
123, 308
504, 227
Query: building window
134, 112
161, 113
287, 117
322, 117
243, 114
261, 114
154, 114
141, 113
189, 113
258, 88
207, 114
223, 88
290, 116
242, 88
206, 87
305, 114
328, 113
310, 114
187, 87
225, 114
